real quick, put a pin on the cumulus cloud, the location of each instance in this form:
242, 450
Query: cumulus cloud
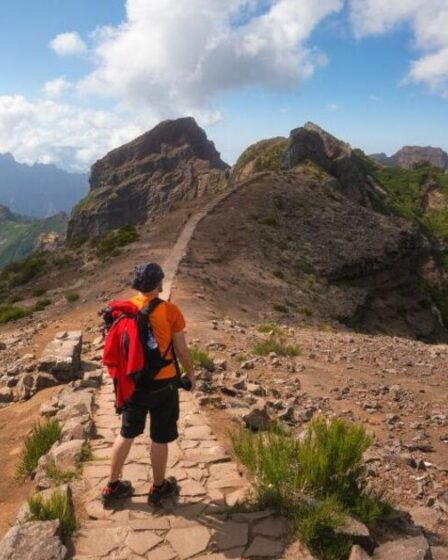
66, 44
176, 56
55, 88
428, 20
68, 136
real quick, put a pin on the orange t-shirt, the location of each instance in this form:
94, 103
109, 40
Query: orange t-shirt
166, 319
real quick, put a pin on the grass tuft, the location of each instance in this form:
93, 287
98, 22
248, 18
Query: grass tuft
201, 358
57, 506
36, 444
12, 313
72, 297
277, 345
315, 481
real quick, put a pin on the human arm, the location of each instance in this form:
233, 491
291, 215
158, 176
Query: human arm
181, 349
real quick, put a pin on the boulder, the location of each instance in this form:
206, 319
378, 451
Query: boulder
43, 380
74, 403
62, 356
415, 548
258, 418
36, 540
358, 553
67, 455
6, 395
77, 428
358, 533
92, 379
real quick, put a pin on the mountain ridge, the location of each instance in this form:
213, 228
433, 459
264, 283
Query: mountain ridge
39, 190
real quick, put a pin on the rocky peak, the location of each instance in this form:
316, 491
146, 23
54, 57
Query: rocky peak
411, 156
311, 143
171, 163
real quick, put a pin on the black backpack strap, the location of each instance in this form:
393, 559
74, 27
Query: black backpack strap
148, 309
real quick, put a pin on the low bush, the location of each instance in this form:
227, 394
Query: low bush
72, 297
110, 243
277, 345
201, 358
272, 328
316, 481
38, 292
13, 312
41, 304
269, 220
57, 506
21, 272
280, 307
36, 444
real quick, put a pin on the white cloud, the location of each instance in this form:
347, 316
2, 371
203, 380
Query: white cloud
428, 20
176, 56
55, 88
332, 107
374, 97
66, 135
66, 44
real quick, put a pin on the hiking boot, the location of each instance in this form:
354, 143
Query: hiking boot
123, 489
166, 490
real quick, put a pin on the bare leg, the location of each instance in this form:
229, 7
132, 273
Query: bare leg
120, 451
159, 458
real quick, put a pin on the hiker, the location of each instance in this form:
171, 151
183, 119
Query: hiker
146, 378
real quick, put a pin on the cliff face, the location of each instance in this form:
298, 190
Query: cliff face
411, 156
173, 162
311, 143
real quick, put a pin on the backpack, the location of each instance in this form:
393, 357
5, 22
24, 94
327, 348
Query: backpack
131, 352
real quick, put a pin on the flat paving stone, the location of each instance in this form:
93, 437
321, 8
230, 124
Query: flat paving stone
264, 548
215, 454
192, 488
197, 432
101, 541
189, 541
233, 554
271, 527
163, 552
142, 541
231, 535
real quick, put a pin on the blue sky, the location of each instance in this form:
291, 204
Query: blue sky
373, 76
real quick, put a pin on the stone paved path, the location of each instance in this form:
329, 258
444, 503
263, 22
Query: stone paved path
202, 523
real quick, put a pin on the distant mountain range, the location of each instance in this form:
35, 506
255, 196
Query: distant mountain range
412, 156
39, 190
20, 235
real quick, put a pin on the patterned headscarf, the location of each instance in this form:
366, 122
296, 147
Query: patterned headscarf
147, 277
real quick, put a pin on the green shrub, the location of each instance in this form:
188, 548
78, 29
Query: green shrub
57, 506
36, 444
41, 304
269, 220
302, 266
38, 292
12, 312
280, 308
279, 274
21, 272
201, 358
110, 243
272, 328
72, 297
277, 345
315, 481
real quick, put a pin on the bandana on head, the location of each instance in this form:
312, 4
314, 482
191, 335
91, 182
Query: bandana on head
147, 277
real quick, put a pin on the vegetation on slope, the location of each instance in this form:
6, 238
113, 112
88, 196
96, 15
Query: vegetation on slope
18, 237
316, 481
266, 155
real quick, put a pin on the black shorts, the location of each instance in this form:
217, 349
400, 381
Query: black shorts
163, 408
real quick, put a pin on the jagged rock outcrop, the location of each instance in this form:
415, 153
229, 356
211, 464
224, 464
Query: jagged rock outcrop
311, 143
173, 162
412, 156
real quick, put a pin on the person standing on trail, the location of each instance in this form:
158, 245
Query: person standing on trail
146, 388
